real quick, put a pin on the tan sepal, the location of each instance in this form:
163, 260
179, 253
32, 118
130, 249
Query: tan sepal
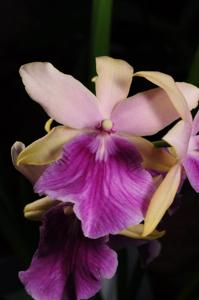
153, 158
35, 210
167, 83
162, 199
48, 148
136, 232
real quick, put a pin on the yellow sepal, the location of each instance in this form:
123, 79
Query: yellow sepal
136, 232
48, 148
48, 124
35, 210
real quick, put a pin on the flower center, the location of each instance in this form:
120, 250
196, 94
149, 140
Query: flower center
107, 125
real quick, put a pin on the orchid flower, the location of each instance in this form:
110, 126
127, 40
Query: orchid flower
67, 265
93, 160
185, 150
36, 210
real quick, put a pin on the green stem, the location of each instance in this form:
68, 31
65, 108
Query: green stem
100, 31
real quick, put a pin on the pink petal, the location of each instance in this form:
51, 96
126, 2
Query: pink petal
191, 165
145, 113
190, 92
109, 193
194, 144
195, 126
179, 137
64, 98
112, 83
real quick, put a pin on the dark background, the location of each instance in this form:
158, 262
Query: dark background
150, 35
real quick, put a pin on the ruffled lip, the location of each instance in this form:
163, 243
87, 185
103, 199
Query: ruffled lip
105, 181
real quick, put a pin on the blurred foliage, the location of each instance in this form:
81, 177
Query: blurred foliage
191, 290
193, 76
19, 295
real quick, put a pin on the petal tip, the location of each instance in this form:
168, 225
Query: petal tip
16, 149
147, 231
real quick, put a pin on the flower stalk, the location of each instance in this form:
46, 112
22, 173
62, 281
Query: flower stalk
100, 31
